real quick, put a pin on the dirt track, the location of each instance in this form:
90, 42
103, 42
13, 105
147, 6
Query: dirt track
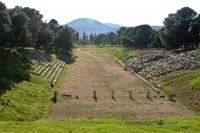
97, 71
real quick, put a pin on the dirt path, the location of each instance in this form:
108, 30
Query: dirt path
97, 71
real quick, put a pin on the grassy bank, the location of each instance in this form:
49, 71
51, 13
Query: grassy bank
121, 53
23, 96
185, 85
169, 125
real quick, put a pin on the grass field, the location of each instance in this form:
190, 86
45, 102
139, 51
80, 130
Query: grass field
119, 53
168, 125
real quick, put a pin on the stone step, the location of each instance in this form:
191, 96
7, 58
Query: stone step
56, 77
38, 73
45, 71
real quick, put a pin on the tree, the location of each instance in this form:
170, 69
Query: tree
34, 22
20, 29
54, 22
54, 25
44, 38
135, 36
84, 38
154, 40
76, 37
142, 34
91, 38
111, 37
63, 40
100, 40
5, 24
176, 31
195, 30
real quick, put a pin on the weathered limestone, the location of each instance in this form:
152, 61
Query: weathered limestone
47, 67
155, 64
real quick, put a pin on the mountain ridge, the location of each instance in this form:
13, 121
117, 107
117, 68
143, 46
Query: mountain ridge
92, 26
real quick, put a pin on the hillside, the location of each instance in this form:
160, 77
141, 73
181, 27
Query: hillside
91, 26
23, 96
113, 25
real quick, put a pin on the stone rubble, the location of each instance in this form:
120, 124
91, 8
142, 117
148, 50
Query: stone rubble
154, 64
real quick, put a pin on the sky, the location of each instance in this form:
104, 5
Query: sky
123, 12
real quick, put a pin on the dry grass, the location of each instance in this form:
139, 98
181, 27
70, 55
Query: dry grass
95, 70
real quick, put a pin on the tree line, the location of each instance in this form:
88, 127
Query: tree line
23, 27
180, 30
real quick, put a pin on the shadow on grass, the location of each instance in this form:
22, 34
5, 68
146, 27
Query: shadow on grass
12, 71
71, 59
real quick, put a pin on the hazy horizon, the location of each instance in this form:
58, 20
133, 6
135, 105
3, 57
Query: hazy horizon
122, 12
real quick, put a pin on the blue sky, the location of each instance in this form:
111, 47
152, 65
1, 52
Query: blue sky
124, 12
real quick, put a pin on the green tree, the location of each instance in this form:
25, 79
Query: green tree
20, 29
76, 37
34, 22
111, 37
100, 40
91, 38
142, 34
63, 40
5, 24
176, 31
84, 38
135, 36
44, 38
195, 31
54, 26
154, 40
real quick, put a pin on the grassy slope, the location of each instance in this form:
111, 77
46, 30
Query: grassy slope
169, 125
185, 85
23, 96
119, 53
198, 50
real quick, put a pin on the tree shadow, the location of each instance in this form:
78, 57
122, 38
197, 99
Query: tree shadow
70, 58
13, 70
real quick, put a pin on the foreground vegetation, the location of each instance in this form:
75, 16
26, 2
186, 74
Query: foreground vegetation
23, 96
23, 27
169, 125
185, 85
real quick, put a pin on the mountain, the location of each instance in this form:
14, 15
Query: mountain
91, 26
113, 25
156, 27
